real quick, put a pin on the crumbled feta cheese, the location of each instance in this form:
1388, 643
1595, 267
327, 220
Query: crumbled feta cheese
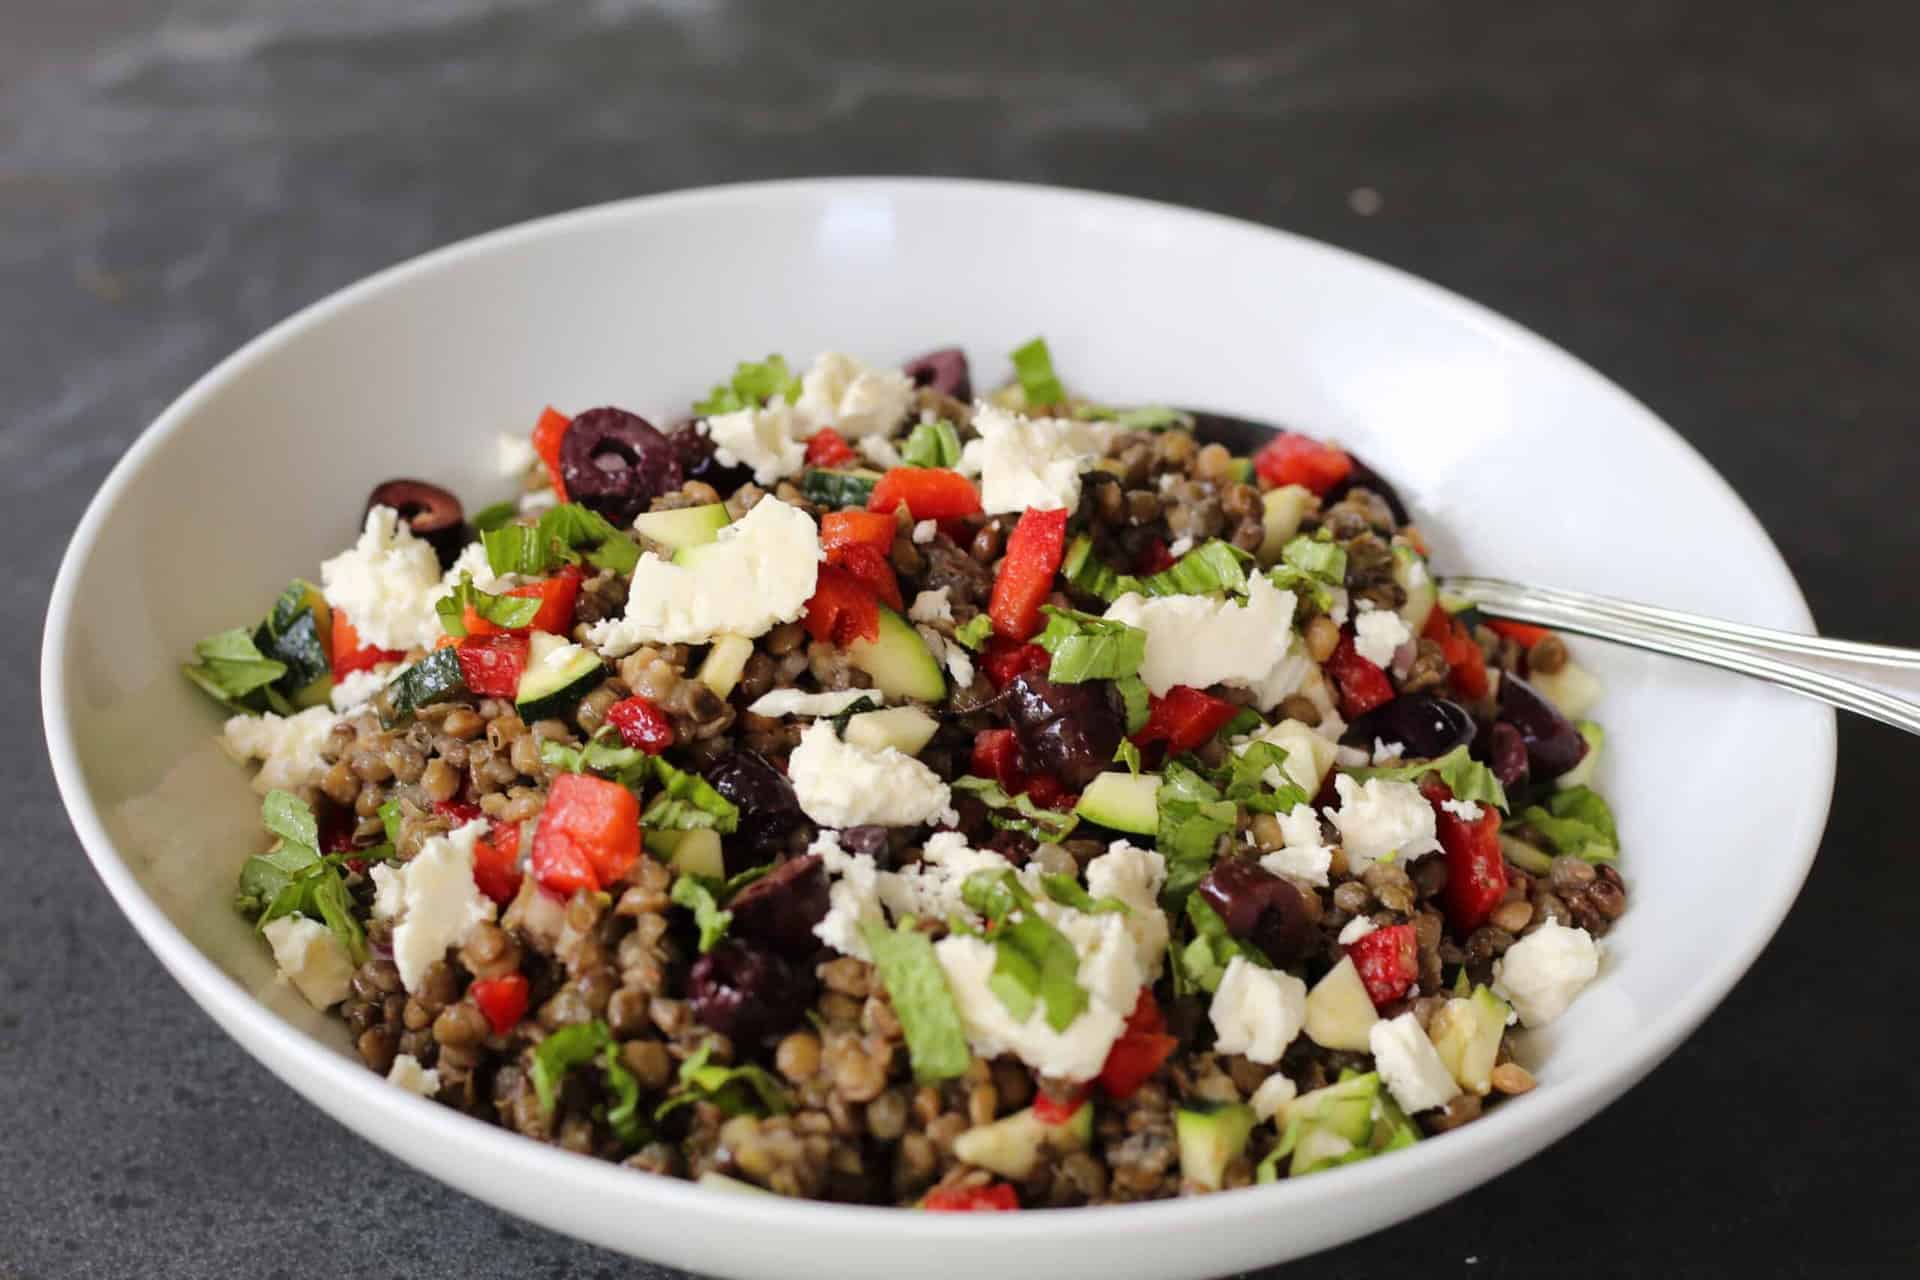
854, 399
758, 573
310, 958
764, 440
879, 451
1275, 1092
1377, 633
972, 455
1199, 641
435, 899
552, 656
535, 501
792, 702
1380, 820
1542, 973
1256, 1011
1074, 1054
924, 532
1465, 810
411, 1076
359, 687
1410, 1065
1180, 545
1135, 876
1356, 929
1342, 602
931, 606
1309, 755
1350, 757
952, 653
1387, 752
1309, 864
287, 747
1034, 462
472, 562
841, 785
387, 583
513, 456
930, 888
853, 897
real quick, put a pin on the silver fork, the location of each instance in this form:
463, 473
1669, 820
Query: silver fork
1874, 680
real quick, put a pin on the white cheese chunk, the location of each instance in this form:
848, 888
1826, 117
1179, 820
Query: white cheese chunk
435, 899
1380, 820
1465, 810
764, 440
310, 958
411, 1076
359, 687
1410, 1065
287, 747
1542, 973
853, 398
924, 532
1377, 633
513, 455
1309, 864
792, 702
1076, 1053
841, 785
881, 454
1135, 876
930, 889
931, 606
1355, 929
758, 573
535, 501
1385, 753
1257, 1012
1275, 1092
853, 897
1034, 462
1200, 641
386, 584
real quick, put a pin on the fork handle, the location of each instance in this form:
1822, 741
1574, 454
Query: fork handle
1878, 681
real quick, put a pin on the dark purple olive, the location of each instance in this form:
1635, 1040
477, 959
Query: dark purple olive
944, 370
769, 810
1428, 727
1365, 477
615, 463
781, 908
433, 514
745, 992
1553, 744
1505, 752
1260, 907
1068, 730
695, 452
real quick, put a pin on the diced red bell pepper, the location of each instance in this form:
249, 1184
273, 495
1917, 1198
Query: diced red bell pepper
1152, 557
547, 434
493, 664
1005, 660
929, 493
589, 834
1468, 665
1388, 960
557, 596
1034, 550
842, 609
496, 863
1146, 1018
1140, 1050
994, 1196
873, 570
1476, 871
1184, 718
503, 1000
1363, 685
1049, 1110
842, 529
642, 724
1291, 458
1047, 791
456, 813
825, 448
1524, 633
996, 755
349, 655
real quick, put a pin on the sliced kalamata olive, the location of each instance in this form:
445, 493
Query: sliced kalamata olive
1260, 908
745, 992
433, 514
616, 463
944, 370
1426, 726
1068, 730
1505, 752
1553, 744
781, 908
695, 452
1365, 477
868, 839
769, 810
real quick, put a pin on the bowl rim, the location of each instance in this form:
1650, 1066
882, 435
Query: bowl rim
1492, 1139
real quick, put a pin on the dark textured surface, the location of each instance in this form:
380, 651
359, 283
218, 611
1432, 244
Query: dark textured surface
1718, 211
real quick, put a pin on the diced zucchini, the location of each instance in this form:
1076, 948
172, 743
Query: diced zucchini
1572, 689
695, 852
1411, 572
1210, 1140
905, 729
1340, 1013
1281, 512
300, 596
434, 678
1529, 858
721, 1182
1240, 470
838, 488
1581, 775
683, 526
1123, 801
1309, 755
558, 675
1329, 1123
725, 661
299, 631
1011, 1145
899, 661
1466, 1034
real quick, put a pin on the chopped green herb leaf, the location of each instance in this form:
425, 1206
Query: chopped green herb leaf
502, 610
493, 516
231, 666
974, 631
735, 1090
1033, 961
623, 1117
389, 812
1033, 365
931, 444
1193, 817
1136, 700
1466, 777
696, 894
924, 1004
1578, 822
751, 386
1019, 813
1212, 566
1069, 892
1086, 647
1127, 754
687, 802
1202, 961
560, 537
1319, 558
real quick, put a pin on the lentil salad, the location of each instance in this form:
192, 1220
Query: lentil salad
866, 792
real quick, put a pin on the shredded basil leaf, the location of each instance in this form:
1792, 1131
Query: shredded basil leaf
1145, 417
1318, 557
1018, 813
390, 815
1138, 703
839, 722
1578, 822
1192, 818
231, 666
1086, 647
1201, 962
974, 631
494, 515
569, 1047
737, 1091
294, 879
1033, 365
751, 386
1069, 892
929, 1016
1246, 721
1242, 776
697, 895
687, 802
1212, 566
1466, 777
623, 1117
560, 537
931, 444
1127, 754
503, 611
1034, 962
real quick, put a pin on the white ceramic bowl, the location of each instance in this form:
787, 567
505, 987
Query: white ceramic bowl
1521, 461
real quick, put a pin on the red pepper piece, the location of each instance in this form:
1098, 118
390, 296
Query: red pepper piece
502, 1000
546, 442
642, 724
1468, 665
842, 529
842, 609
928, 493
349, 655
1388, 960
557, 596
1476, 871
995, 1196
1034, 549
457, 813
1184, 718
1363, 685
826, 449
496, 863
1140, 1050
1291, 458
1048, 1110
1524, 633
1004, 660
589, 834
873, 570
493, 664
996, 755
